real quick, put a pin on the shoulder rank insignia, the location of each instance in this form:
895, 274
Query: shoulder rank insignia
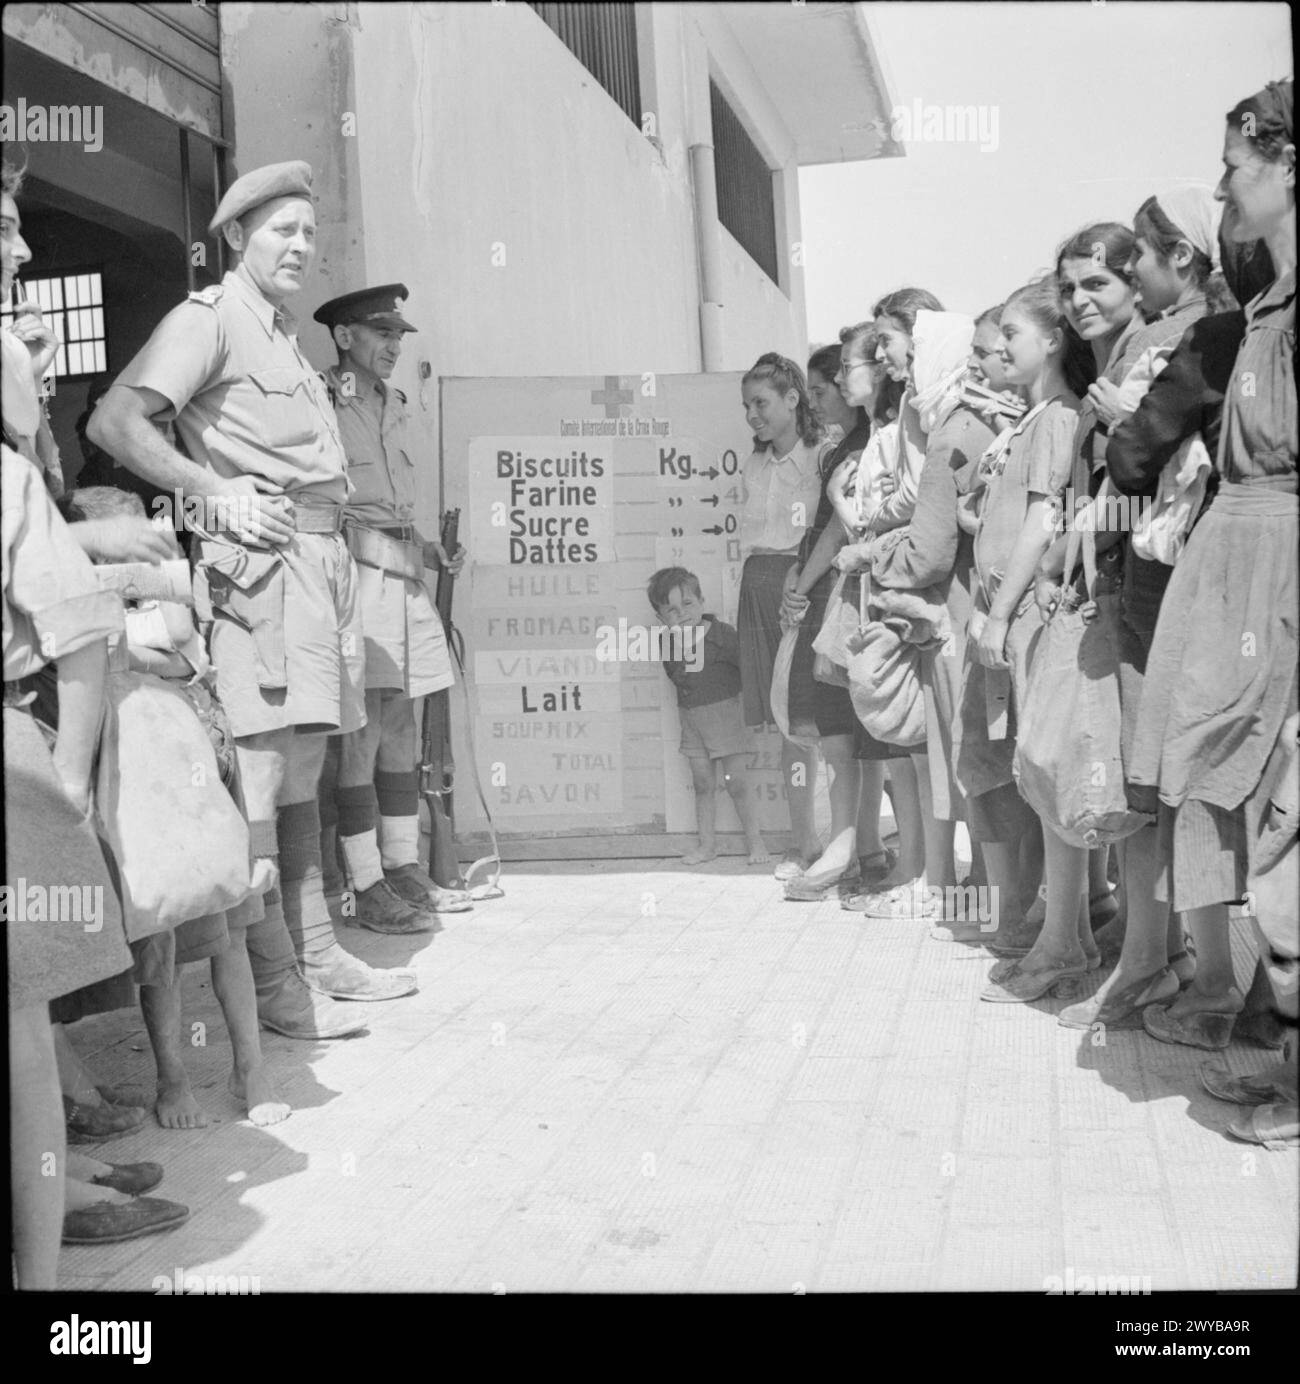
210, 295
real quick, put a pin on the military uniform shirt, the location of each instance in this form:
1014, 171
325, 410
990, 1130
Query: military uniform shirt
244, 397
373, 427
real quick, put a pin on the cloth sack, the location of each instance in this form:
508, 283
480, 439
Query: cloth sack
1068, 762
780, 693
885, 678
179, 841
831, 646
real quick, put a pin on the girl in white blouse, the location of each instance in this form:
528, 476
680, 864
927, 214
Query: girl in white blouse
781, 483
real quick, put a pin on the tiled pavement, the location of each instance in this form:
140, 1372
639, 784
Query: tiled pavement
629, 1076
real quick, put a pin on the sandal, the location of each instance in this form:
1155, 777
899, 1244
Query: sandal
1204, 1028
871, 873
904, 903
1274, 1127
1023, 987
1122, 1008
812, 888
1259, 1088
791, 865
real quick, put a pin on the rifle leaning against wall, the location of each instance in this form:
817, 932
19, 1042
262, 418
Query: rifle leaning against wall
437, 768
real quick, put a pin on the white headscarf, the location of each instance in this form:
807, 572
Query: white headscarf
941, 343
1197, 215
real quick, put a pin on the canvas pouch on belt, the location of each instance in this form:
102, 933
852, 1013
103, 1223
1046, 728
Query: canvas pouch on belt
374, 549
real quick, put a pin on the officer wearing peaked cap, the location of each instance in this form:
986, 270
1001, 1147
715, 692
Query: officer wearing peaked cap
376, 804
273, 574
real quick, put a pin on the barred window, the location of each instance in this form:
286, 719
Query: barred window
603, 39
746, 200
73, 304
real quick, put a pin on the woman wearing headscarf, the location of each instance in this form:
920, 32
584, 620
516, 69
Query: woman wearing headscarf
1216, 733
933, 551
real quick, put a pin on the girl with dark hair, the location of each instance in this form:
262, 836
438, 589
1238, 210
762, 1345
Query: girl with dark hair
1216, 732
780, 484
1171, 281
1100, 304
884, 498
818, 708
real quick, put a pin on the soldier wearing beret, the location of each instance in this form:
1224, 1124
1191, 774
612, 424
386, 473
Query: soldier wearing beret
376, 801
273, 573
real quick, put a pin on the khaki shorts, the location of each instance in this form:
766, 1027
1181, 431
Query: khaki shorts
406, 650
713, 731
286, 637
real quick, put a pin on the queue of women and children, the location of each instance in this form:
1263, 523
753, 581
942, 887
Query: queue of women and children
1049, 589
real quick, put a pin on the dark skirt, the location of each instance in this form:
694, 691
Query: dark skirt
759, 627
49, 848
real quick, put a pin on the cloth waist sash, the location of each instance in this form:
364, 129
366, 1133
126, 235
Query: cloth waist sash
1268, 496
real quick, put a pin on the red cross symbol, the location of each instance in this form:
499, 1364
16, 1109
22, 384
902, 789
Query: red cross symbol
612, 396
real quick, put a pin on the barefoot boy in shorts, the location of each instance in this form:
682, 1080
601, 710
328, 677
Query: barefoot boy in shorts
162, 640
703, 661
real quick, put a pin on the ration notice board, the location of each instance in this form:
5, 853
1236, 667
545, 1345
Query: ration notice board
572, 492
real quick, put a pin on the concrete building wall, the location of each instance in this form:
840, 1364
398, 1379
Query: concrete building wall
539, 231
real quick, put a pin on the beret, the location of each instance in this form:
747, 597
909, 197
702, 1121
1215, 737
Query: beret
292, 179
376, 307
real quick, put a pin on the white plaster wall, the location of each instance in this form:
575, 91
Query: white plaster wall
539, 231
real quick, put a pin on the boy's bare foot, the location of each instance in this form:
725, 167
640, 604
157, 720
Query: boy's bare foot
176, 1107
759, 855
258, 1092
699, 855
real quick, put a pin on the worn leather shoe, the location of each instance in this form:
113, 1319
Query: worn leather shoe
298, 1011
382, 909
106, 1222
416, 888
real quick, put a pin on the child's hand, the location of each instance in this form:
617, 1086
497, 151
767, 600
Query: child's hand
793, 608
125, 538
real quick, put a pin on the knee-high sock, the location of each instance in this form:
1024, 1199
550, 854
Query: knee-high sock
270, 948
305, 911
399, 805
